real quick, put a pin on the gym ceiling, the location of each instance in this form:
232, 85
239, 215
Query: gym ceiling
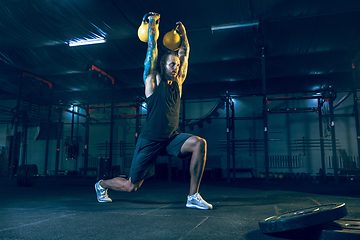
309, 46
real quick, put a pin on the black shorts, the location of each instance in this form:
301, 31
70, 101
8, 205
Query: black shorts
146, 152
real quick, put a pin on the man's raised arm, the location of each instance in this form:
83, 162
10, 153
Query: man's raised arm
150, 70
183, 52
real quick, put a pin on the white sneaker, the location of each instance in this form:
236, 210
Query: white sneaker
101, 193
196, 201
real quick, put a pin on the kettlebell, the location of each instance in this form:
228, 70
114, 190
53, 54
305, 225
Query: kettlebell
172, 39
143, 30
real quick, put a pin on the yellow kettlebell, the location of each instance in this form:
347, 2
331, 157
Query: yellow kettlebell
143, 30
172, 39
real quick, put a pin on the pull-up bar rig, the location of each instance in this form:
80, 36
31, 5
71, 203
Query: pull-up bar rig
266, 101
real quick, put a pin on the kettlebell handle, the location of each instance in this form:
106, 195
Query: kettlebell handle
176, 29
146, 17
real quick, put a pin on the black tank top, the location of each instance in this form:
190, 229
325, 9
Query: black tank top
163, 108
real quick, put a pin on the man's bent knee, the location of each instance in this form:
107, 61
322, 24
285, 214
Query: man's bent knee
194, 143
202, 143
132, 187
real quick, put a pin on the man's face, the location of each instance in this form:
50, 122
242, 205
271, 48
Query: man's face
172, 66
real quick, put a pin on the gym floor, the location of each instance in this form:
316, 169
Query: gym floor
66, 208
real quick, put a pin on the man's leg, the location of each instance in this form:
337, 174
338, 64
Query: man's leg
197, 146
142, 167
117, 184
121, 184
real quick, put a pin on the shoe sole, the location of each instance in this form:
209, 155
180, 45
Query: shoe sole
189, 205
105, 201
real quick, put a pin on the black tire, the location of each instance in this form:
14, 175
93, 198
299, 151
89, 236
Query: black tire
303, 218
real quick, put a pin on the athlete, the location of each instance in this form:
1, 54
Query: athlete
159, 136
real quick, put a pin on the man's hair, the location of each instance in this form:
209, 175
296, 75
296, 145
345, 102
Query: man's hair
164, 58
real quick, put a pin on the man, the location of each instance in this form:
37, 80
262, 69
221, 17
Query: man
159, 137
